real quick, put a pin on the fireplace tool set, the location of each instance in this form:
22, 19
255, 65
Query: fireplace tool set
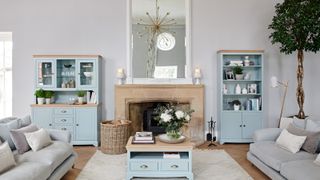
210, 135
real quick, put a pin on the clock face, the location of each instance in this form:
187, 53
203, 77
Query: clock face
166, 41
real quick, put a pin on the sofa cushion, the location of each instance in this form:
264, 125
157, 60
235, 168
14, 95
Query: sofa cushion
52, 155
312, 141
6, 158
6, 125
301, 169
38, 139
27, 170
272, 155
290, 141
19, 139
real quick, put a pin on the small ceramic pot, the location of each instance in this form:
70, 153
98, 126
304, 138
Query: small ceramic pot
80, 100
239, 76
48, 100
40, 101
236, 107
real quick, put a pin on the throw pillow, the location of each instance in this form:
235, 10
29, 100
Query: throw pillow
313, 125
6, 125
19, 139
290, 142
317, 161
25, 121
312, 140
6, 157
38, 139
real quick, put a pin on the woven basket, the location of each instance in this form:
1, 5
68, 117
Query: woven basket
114, 136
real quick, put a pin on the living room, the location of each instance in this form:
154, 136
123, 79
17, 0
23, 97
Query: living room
77, 35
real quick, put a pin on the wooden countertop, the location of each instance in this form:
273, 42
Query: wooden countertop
64, 105
160, 146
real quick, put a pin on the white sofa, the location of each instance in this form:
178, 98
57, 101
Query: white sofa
51, 162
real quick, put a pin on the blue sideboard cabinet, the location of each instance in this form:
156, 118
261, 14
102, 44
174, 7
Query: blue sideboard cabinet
238, 125
66, 75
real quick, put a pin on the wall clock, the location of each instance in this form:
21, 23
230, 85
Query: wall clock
166, 41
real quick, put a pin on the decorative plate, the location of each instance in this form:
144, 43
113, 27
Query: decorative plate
164, 138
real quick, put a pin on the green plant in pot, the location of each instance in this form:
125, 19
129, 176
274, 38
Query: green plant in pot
48, 96
236, 105
238, 71
296, 28
40, 95
81, 95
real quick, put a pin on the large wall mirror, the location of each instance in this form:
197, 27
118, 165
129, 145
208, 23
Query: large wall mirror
159, 40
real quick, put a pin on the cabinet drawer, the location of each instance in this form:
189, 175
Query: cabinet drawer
174, 166
144, 166
63, 111
63, 120
64, 128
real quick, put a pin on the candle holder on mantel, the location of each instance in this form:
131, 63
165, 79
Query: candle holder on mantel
121, 76
197, 75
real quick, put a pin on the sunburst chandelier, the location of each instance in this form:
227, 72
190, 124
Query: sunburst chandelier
157, 25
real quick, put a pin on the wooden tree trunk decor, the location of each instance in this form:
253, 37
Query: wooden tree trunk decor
300, 91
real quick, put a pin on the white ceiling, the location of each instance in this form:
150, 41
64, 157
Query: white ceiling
177, 9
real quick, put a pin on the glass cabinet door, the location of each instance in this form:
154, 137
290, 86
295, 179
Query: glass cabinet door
86, 75
66, 73
45, 74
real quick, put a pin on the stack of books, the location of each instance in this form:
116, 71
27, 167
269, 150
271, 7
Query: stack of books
143, 138
171, 155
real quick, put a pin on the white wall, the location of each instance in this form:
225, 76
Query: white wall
99, 27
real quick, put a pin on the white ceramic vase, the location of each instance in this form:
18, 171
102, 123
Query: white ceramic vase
40, 101
236, 107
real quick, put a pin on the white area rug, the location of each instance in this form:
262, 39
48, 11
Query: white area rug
207, 165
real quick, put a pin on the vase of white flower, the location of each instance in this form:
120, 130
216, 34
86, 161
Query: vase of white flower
172, 119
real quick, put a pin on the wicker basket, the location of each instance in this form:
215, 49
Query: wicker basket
114, 136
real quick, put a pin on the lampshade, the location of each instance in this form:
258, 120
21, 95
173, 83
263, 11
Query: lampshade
274, 81
197, 73
120, 73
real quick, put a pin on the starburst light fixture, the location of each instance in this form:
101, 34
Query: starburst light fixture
159, 36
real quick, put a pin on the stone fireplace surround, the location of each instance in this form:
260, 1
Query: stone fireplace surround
181, 93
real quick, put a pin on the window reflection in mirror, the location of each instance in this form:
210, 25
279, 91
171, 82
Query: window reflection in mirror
159, 33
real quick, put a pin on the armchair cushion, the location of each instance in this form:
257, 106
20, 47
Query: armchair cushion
268, 134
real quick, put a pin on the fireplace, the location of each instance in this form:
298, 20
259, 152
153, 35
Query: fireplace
142, 115
136, 103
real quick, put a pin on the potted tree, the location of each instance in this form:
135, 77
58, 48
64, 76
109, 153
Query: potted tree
238, 71
48, 96
40, 94
296, 28
81, 95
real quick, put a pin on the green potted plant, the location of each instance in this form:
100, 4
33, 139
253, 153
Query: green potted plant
81, 95
238, 71
48, 96
236, 105
296, 28
40, 95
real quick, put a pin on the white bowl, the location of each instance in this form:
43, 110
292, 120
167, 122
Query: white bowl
88, 74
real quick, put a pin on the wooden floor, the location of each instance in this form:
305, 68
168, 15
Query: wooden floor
237, 152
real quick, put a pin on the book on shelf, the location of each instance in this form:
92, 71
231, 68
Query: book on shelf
144, 136
135, 141
171, 155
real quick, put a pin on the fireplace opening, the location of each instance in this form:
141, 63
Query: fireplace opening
142, 115
149, 122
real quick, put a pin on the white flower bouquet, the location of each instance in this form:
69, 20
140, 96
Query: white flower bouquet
172, 119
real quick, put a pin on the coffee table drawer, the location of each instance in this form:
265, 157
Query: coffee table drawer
174, 166
144, 166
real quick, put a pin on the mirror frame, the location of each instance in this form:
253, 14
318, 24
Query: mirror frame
188, 73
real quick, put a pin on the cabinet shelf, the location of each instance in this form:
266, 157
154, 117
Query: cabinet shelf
235, 81
244, 67
242, 94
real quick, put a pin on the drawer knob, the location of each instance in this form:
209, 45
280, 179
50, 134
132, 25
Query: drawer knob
63, 120
244, 125
63, 111
63, 129
174, 166
77, 124
50, 124
144, 166
240, 125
